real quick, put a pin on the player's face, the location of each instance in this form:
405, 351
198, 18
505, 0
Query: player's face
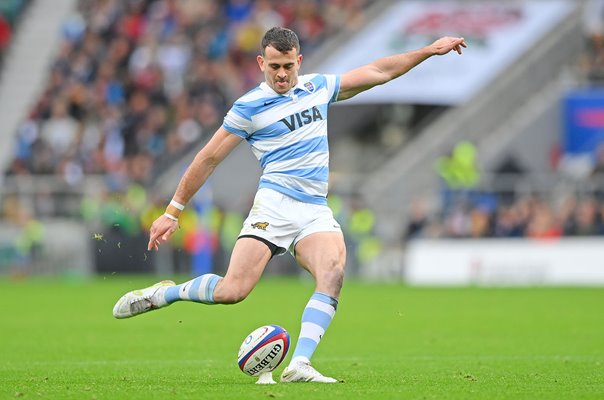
280, 70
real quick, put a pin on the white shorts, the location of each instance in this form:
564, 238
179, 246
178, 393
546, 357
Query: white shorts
284, 221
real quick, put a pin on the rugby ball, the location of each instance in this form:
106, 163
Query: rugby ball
263, 350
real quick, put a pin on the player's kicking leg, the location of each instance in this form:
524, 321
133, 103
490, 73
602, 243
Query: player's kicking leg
248, 261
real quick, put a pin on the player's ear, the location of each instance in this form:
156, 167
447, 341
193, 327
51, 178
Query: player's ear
260, 61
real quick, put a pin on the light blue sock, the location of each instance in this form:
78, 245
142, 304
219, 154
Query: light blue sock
315, 319
199, 290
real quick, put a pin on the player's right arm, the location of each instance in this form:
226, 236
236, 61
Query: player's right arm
206, 160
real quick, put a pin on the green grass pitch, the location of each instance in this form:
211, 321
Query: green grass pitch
58, 340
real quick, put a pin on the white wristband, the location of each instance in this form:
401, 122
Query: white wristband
170, 216
177, 204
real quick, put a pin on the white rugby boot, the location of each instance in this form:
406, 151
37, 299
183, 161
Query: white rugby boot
301, 371
142, 300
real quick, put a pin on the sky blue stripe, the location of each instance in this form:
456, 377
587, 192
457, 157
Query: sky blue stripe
295, 150
209, 289
172, 294
194, 289
323, 298
294, 194
240, 109
235, 131
316, 316
273, 130
319, 82
315, 174
305, 348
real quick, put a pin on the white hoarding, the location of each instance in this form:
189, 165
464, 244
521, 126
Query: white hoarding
568, 261
498, 34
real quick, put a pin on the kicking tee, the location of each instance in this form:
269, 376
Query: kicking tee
288, 134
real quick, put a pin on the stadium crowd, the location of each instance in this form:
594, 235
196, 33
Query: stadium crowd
527, 216
469, 208
138, 82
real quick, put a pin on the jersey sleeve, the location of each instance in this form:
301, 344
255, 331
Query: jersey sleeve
333, 87
238, 121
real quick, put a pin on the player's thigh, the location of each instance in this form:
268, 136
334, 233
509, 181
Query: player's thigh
248, 261
323, 254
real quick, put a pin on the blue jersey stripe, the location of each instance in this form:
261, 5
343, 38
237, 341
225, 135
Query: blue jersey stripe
295, 150
235, 131
241, 111
315, 174
271, 131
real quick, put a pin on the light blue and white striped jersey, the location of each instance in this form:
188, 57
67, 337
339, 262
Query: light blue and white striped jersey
288, 134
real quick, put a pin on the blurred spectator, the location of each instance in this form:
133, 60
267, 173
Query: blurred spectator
418, 220
598, 167
586, 218
542, 223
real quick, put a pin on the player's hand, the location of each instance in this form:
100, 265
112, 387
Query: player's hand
161, 230
446, 44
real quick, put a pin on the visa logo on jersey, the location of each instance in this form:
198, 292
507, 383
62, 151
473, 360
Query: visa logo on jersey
298, 120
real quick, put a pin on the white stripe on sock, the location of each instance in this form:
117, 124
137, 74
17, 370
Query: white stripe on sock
319, 305
311, 331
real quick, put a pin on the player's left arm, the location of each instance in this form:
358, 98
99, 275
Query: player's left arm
388, 68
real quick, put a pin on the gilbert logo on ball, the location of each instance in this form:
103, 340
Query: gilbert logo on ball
263, 350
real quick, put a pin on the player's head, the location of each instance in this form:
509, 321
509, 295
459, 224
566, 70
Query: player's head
280, 59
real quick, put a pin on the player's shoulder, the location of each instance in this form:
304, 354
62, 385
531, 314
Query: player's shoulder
251, 96
250, 103
316, 80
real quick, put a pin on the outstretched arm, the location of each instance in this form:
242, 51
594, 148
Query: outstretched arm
388, 68
208, 158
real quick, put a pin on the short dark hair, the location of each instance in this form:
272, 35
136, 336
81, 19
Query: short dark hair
282, 39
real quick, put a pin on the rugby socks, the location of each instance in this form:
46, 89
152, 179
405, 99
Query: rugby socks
315, 319
199, 290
